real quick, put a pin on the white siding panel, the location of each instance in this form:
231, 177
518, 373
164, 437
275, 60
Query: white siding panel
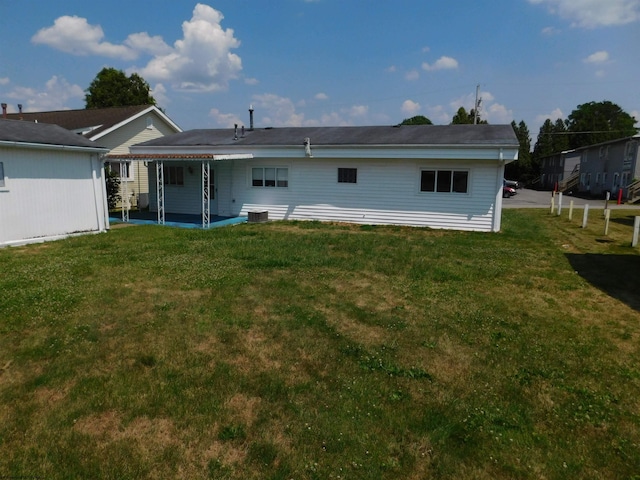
387, 192
49, 194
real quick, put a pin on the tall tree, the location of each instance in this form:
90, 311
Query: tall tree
463, 118
417, 120
112, 88
544, 144
597, 122
523, 169
560, 138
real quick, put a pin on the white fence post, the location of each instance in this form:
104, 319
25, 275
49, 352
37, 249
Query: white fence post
559, 203
570, 210
636, 229
607, 214
585, 216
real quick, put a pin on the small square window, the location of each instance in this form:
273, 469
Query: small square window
347, 175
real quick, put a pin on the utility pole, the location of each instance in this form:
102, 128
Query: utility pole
477, 105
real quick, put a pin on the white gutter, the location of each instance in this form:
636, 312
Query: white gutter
47, 146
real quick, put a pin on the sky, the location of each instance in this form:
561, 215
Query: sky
328, 62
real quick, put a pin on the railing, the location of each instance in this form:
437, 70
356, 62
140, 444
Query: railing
633, 191
570, 182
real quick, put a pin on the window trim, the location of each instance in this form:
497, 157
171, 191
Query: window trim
348, 175
280, 176
170, 177
117, 168
447, 171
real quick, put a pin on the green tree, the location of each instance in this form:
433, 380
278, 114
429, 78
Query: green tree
523, 169
560, 137
544, 144
597, 122
417, 120
112, 88
463, 118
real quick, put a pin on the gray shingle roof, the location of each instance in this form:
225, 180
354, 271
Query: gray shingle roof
41, 133
102, 118
475, 135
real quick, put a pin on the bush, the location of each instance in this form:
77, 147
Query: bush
112, 180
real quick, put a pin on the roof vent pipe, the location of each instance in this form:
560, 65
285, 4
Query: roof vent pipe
20, 110
250, 118
4, 110
235, 131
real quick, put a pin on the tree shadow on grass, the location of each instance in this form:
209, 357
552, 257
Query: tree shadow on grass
628, 220
616, 275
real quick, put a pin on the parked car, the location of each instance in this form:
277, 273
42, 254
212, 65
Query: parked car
511, 183
508, 192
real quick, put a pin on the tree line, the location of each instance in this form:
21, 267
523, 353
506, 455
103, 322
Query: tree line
588, 124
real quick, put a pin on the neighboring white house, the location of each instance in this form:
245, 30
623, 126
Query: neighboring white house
51, 183
116, 128
433, 176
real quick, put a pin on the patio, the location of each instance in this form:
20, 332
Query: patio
174, 219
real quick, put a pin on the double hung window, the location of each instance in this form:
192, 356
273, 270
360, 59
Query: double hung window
444, 181
270, 177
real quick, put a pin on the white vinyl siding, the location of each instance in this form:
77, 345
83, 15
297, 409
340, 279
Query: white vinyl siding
387, 192
53, 193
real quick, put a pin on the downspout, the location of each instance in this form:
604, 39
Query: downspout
101, 182
497, 214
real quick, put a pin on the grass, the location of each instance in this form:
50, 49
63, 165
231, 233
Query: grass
315, 351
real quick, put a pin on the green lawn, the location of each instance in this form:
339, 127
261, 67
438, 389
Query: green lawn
315, 351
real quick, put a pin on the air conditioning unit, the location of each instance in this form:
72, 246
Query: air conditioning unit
258, 217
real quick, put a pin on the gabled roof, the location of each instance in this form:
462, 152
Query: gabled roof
92, 123
21, 132
437, 135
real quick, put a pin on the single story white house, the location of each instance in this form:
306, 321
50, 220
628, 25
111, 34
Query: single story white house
434, 176
51, 183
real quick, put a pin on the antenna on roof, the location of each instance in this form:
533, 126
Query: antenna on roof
476, 108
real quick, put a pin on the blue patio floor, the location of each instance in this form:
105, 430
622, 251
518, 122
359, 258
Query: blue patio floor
175, 220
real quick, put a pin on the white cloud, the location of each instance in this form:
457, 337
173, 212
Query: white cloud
412, 75
159, 92
443, 63
497, 113
391, 69
553, 116
550, 31
410, 108
278, 111
439, 115
251, 81
225, 120
202, 61
358, 111
56, 95
321, 96
142, 42
597, 57
425, 49
594, 13
74, 35
4, 81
